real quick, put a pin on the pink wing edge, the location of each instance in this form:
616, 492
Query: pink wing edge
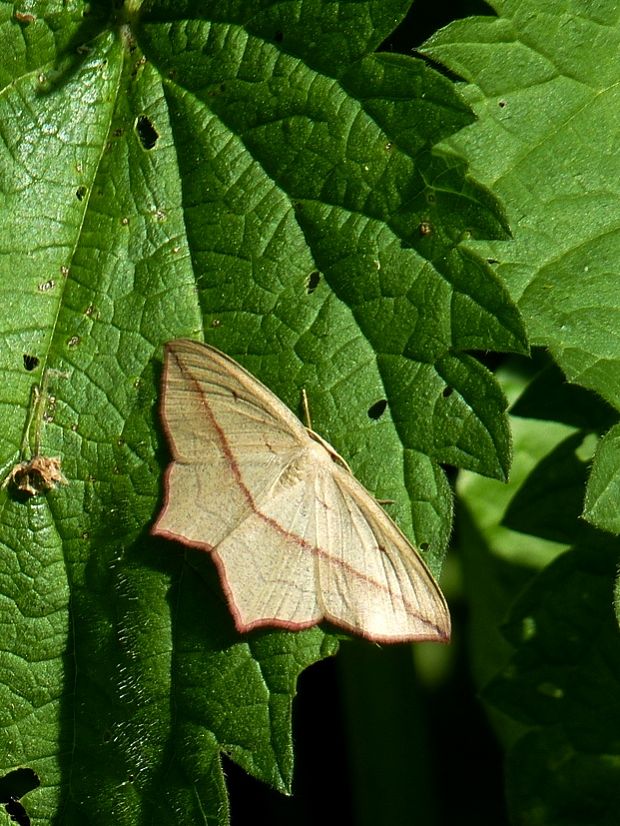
435, 634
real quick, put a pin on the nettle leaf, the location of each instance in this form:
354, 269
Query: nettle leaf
543, 79
601, 504
249, 173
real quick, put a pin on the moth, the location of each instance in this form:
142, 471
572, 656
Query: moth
295, 537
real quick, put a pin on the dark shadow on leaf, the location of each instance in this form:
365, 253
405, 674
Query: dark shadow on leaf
97, 16
550, 501
550, 397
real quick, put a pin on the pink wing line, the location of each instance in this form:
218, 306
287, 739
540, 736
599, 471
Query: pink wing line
211, 417
322, 548
390, 595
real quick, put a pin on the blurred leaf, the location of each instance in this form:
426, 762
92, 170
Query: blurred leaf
563, 681
499, 558
552, 782
544, 636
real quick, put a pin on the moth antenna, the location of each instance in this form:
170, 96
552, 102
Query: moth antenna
306, 407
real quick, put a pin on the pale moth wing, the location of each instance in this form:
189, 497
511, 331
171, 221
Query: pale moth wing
295, 536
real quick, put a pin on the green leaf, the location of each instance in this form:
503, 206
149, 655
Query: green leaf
601, 505
547, 111
249, 173
542, 77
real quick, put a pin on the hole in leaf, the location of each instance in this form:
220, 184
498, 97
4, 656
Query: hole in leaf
30, 362
17, 783
447, 391
80, 193
376, 410
16, 812
313, 281
14, 786
146, 132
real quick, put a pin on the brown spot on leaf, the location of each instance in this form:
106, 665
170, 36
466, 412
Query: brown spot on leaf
40, 474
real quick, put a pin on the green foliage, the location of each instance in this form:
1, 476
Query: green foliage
258, 175
543, 82
541, 77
